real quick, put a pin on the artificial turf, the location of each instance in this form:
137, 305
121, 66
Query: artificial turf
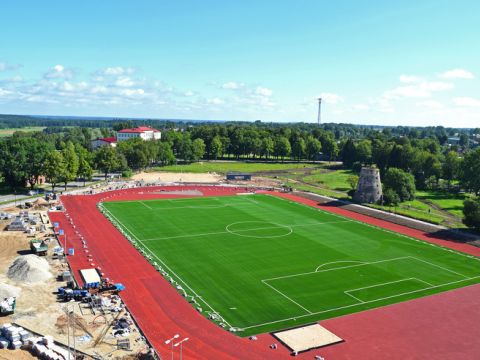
263, 263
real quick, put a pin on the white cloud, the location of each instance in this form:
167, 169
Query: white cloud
59, 72
423, 89
215, 101
330, 98
188, 93
263, 91
409, 79
457, 74
361, 107
124, 81
432, 104
132, 92
232, 85
466, 102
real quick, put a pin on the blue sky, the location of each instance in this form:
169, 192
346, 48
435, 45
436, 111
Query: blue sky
374, 62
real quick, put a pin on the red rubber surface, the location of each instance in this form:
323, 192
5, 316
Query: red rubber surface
443, 326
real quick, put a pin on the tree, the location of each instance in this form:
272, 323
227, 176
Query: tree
282, 147
165, 154
364, 152
352, 180
54, 167
198, 149
470, 170
106, 160
390, 197
71, 164
329, 146
267, 147
348, 153
13, 161
451, 167
471, 213
401, 182
299, 148
216, 147
37, 151
313, 148
85, 170
464, 140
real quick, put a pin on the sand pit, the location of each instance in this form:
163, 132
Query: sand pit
9, 291
169, 177
29, 268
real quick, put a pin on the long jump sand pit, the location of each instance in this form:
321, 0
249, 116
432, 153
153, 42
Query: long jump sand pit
307, 337
169, 177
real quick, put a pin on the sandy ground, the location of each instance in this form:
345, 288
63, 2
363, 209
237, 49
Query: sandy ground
178, 177
39, 311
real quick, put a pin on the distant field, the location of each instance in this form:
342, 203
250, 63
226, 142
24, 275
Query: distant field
9, 131
260, 263
335, 180
224, 167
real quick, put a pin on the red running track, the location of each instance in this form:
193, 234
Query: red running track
443, 326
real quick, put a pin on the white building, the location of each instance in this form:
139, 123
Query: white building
111, 141
143, 132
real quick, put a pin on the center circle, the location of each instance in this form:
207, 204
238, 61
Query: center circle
258, 229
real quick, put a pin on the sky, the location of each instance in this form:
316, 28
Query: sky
372, 62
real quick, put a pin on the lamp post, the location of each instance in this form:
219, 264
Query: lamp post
180, 343
170, 341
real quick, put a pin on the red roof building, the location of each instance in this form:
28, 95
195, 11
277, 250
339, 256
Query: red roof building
99, 142
143, 132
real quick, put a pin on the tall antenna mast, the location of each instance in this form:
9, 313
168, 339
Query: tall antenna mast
319, 111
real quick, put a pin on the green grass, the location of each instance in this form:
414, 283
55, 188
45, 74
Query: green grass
335, 180
453, 203
10, 131
224, 167
264, 263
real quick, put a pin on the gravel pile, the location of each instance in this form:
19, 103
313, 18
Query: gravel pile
29, 268
7, 291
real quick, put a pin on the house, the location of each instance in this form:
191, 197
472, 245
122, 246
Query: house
142, 132
110, 141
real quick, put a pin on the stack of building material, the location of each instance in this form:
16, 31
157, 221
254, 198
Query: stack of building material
18, 224
45, 348
15, 336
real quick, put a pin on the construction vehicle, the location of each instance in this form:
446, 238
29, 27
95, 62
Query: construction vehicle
39, 247
7, 306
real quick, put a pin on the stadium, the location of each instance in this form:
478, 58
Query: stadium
259, 273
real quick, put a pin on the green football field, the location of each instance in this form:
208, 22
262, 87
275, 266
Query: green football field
259, 263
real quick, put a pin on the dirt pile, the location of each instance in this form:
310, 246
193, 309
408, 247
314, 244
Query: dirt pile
29, 268
9, 291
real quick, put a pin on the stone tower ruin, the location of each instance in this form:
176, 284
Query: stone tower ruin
369, 187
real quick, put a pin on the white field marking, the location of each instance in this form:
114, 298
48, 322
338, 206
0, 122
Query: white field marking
340, 261
359, 300
285, 296
339, 268
424, 242
244, 230
148, 207
440, 267
278, 226
166, 266
348, 306
381, 284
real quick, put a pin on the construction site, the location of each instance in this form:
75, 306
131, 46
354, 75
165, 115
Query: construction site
45, 311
